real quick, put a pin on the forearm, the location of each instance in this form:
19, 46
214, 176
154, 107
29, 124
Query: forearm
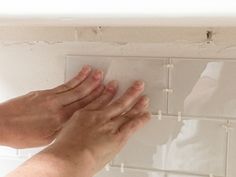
54, 162
5, 134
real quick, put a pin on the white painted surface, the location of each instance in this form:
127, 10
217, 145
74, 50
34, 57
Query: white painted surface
118, 13
34, 58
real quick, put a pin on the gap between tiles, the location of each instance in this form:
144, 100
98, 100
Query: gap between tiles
122, 167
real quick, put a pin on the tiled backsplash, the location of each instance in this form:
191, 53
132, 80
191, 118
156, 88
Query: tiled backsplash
192, 131
192, 101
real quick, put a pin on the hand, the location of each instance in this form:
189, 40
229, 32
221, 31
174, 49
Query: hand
99, 131
35, 119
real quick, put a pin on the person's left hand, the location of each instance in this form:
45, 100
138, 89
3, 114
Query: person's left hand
36, 118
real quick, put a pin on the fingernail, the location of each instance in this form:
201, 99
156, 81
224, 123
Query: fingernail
138, 84
145, 100
86, 68
111, 86
97, 74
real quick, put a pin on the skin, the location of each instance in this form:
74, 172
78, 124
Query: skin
88, 136
36, 118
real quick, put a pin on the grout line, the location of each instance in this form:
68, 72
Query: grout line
143, 169
168, 86
190, 117
17, 152
112, 162
227, 149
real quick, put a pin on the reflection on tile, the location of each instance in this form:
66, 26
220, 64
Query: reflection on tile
232, 151
200, 148
203, 88
114, 172
127, 69
192, 146
152, 139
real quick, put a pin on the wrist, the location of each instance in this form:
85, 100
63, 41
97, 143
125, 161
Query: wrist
76, 162
4, 126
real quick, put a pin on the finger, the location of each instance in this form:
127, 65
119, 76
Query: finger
105, 98
83, 74
125, 101
130, 127
139, 108
71, 108
82, 90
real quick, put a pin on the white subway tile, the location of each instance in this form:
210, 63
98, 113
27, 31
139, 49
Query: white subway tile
191, 146
75, 63
203, 87
127, 69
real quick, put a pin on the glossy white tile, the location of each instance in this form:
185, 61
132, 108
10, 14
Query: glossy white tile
203, 88
152, 71
200, 147
75, 63
189, 146
127, 69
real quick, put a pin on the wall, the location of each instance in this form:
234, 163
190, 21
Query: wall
33, 58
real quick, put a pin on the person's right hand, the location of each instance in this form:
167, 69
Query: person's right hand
95, 134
